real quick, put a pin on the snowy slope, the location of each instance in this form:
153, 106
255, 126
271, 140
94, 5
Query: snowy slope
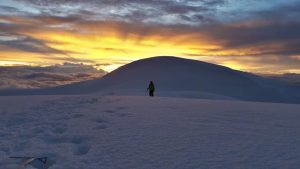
181, 78
132, 132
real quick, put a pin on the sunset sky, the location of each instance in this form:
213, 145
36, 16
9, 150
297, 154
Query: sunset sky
250, 35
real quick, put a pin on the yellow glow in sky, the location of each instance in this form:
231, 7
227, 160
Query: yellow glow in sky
108, 49
110, 45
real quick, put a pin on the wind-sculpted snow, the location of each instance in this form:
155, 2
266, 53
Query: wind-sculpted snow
123, 132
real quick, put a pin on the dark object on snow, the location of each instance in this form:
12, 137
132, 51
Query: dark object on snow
28, 160
151, 89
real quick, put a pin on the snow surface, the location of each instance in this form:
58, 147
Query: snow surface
179, 77
138, 132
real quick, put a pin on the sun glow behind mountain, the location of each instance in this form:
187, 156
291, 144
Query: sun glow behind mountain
106, 45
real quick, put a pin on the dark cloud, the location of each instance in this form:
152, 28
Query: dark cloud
214, 2
291, 78
42, 77
13, 38
267, 36
8, 9
27, 44
291, 11
150, 11
176, 8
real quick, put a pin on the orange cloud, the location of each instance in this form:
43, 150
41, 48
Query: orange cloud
111, 44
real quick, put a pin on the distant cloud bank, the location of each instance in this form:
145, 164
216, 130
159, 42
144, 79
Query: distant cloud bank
291, 78
28, 77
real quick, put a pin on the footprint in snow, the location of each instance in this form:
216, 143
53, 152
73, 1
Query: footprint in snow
81, 149
121, 108
77, 116
100, 127
80, 146
123, 114
59, 130
100, 120
110, 111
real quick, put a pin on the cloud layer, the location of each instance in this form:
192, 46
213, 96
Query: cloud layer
28, 77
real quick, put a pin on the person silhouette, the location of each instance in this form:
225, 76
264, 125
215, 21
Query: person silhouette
151, 89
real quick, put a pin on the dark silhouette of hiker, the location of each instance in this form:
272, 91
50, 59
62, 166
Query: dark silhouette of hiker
151, 89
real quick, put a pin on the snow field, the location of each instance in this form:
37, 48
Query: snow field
133, 132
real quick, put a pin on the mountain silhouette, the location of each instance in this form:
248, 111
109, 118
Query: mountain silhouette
172, 74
